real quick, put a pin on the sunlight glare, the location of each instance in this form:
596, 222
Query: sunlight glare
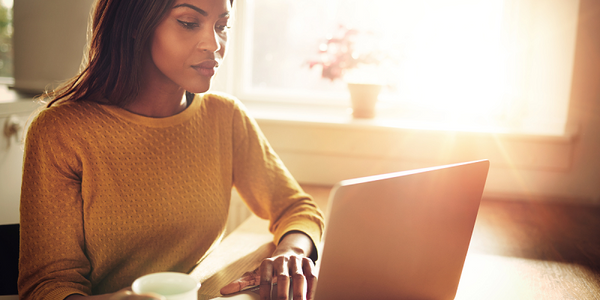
502, 66
451, 54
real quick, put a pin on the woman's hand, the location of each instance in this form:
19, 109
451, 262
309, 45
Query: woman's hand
282, 269
288, 267
124, 294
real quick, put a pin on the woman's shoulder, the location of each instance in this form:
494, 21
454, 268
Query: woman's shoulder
67, 110
63, 115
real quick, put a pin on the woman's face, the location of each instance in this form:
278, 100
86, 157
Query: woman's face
189, 44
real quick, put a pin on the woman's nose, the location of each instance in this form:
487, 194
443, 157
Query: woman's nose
209, 41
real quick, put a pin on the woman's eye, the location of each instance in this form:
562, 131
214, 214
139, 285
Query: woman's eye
188, 25
222, 28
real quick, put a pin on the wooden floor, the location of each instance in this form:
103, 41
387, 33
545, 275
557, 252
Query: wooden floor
566, 238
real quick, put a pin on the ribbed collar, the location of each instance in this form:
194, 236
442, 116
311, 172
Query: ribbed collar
179, 118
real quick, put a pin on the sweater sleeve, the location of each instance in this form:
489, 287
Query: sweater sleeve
52, 263
267, 186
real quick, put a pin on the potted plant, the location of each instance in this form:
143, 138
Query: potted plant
353, 55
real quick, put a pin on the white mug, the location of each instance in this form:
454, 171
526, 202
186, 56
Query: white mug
171, 285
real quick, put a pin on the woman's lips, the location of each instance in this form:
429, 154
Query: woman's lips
207, 67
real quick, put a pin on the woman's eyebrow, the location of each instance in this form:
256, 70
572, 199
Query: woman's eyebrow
199, 10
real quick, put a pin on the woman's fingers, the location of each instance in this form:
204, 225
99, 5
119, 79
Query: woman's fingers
248, 279
308, 269
281, 268
296, 272
298, 278
266, 277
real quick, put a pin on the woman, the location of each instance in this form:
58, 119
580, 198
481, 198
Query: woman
129, 168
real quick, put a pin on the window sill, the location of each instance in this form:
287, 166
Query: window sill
340, 117
322, 144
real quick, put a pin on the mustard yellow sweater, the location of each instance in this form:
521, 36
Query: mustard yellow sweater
109, 196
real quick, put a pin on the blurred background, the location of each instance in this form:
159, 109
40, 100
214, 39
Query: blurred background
513, 81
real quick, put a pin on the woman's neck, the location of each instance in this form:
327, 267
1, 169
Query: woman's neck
158, 103
159, 96
158, 106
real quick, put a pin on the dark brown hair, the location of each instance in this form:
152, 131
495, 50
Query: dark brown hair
120, 33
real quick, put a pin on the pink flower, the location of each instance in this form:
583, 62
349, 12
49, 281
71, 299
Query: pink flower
343, 52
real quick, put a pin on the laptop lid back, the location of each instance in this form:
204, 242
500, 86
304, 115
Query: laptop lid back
401, 235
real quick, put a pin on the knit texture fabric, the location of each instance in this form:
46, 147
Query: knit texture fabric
109, 196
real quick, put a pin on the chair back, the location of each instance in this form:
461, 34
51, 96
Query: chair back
9, 258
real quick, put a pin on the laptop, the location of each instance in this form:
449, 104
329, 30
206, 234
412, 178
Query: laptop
401, 235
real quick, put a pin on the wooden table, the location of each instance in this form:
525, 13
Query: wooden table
509, 257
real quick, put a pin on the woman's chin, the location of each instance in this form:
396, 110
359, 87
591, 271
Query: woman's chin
198, 90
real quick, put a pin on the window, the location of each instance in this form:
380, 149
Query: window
483, 65
6, 30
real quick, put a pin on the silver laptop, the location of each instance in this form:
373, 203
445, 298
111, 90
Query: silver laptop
402, 235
